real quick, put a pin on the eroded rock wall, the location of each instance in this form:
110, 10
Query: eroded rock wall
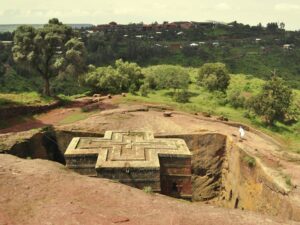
223, 175
39, 145
248, 186
208, 155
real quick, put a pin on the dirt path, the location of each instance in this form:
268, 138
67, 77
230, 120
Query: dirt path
52, 117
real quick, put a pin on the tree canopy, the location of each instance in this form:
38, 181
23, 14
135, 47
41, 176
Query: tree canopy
167, 77
273, 102
1, 59
50, 50
121, 77
214, 76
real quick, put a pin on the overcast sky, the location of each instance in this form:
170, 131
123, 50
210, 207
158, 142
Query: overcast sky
125, 11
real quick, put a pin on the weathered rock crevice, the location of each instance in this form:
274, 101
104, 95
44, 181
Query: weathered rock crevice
42, 145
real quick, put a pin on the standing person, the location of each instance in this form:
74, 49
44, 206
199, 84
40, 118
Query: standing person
242, 133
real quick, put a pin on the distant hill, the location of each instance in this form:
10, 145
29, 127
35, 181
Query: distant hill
12, 27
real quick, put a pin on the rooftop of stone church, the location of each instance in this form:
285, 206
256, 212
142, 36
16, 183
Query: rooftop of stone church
128, 149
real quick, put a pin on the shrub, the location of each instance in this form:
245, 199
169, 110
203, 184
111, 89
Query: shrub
288, 180
181, 96
132, 89
250, 161
144, 90
148, 190
220, 97
103, 79
292, 114
273, 102
214, 76
167, 77
122, 77
235, 98
248, 115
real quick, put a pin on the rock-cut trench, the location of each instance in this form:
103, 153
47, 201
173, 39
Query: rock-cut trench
220, 173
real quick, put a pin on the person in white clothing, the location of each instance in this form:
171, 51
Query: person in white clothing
242, 133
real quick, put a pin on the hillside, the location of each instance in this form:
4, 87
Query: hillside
12, 27
255, 50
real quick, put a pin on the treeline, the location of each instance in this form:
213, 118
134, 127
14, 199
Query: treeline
274, 100
243, 48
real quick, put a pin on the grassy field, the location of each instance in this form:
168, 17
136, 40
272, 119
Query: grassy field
74, 117
26, 98
32, 99
215, 104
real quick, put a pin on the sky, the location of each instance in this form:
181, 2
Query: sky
125, 11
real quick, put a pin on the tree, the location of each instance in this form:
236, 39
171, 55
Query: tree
182, 96
177, 78
235, 98
131, 74
214, 76
272, 27
104, 80
273, 102
144, 90
282, 25
4, 58
49, 50
124, 76
2, 69
167, 77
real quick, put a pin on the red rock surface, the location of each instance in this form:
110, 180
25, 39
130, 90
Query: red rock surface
45, 193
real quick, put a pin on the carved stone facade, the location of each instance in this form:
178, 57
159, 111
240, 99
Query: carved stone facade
136, 159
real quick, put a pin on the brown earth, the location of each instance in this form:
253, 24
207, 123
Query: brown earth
54, 116
36, 192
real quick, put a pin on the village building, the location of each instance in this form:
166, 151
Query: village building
194, 45
257, 40
287, 46
216, 44
7, 43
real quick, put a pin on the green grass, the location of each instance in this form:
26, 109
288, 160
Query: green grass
204, 101
251, 162
148, 190
74, 117
287, 179
26, 98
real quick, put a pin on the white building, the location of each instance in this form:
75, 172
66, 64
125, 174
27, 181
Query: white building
287, 46
257, 40
194, 45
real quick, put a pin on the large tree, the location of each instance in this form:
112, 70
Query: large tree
273, 102
214, 76
122, 77
1, 59
50, 50
167, 77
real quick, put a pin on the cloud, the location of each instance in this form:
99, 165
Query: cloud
286, 7
223, 6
